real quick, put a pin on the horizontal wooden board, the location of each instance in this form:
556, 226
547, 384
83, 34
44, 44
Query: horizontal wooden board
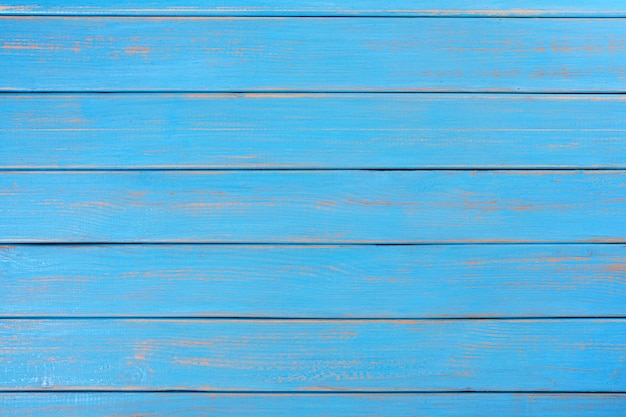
313, 281
309, 405
293, 355
491, 8
311, 54
311, 131
313, 206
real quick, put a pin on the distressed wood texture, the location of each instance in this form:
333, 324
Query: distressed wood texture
313, 206
268, 355
312, 54
491, 8
310, 405
311, 131
313, 281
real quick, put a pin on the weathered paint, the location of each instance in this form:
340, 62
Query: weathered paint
266, 131
296, 355
491, 8
313, 281
311, 54
314, 328
309, 405
313, 206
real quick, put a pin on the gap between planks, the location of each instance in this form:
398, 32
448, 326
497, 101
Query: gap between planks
314, 244
313, 319
173, 169
242, 93
299, 16
306, 393
470, 15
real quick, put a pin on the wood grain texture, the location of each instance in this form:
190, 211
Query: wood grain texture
309, 405
311, 131
528, 8
313, 206
314, 54
270, 355
306, 304
313, 281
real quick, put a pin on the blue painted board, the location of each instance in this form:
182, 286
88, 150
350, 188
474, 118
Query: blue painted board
296, 355
312, 318
311, 131
313, 206
491, 8
313, 281
312, 54
309, 405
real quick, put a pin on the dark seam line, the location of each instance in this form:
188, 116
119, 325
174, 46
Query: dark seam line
311, 319
314, 169
242, 93
303, 393
287, 15
330, 244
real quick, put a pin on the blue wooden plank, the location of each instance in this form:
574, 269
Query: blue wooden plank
313, 206
311, 131
529, 8
313, 281
309, 405
312, 54
269, 355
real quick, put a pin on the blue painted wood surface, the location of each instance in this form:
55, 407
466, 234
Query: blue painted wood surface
312, 131
294, 355
309, 405
313, 281
313, 206
491, 8
470, 316
313, 54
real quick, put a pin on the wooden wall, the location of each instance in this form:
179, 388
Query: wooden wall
313, 208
